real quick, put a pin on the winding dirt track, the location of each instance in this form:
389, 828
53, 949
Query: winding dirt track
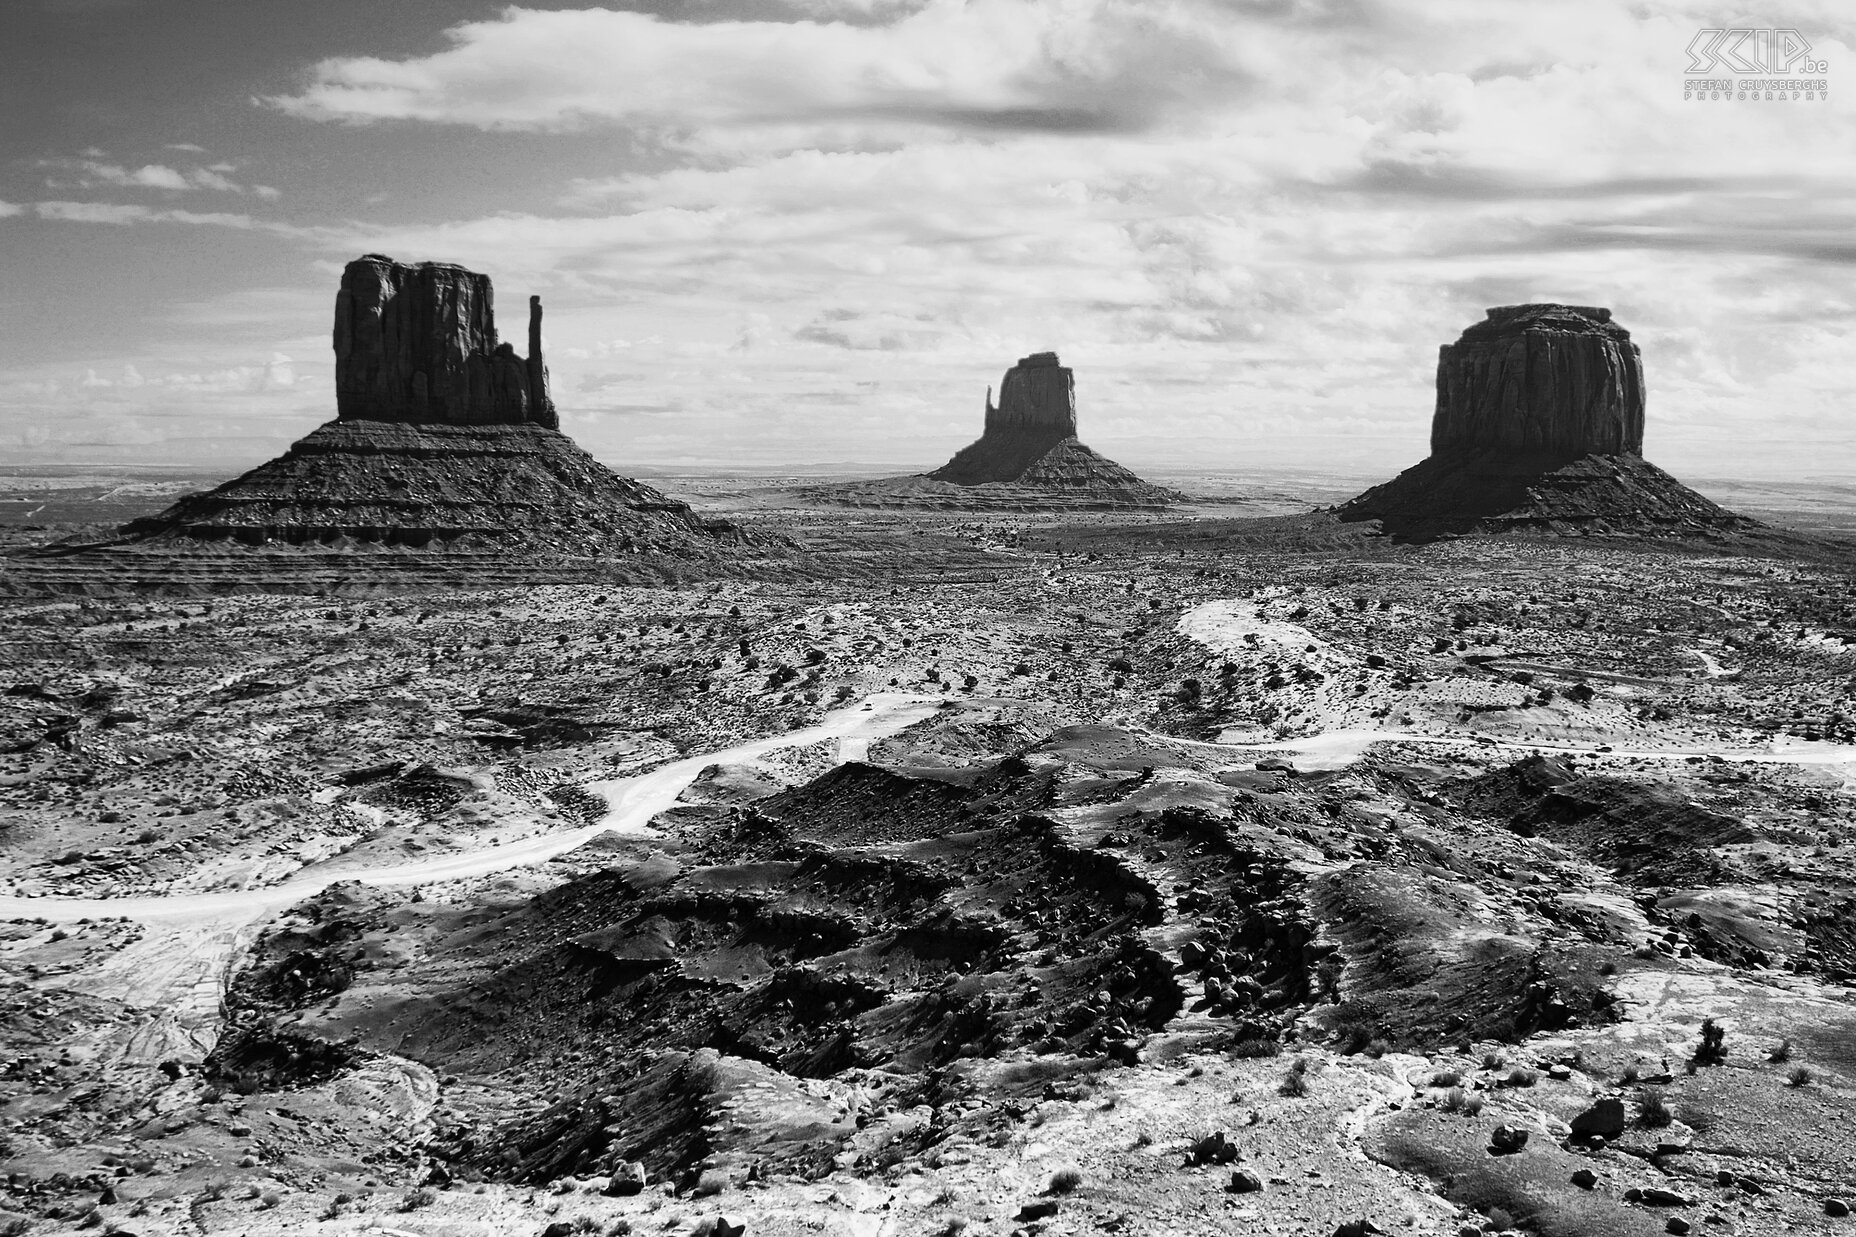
632, 802
175, 973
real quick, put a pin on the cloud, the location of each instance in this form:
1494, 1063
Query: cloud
1247, 223
11, 208
124, 214
94, 171
986, 65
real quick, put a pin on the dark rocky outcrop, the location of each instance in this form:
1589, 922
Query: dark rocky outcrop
1539, 427
418, 344
1027, 458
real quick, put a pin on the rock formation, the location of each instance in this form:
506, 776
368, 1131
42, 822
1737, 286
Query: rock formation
1027, 458
443, 437
1539, 424
418, 344
1554, 378
1036, 411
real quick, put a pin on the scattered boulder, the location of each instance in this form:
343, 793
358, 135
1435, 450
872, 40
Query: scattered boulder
1243, 1182
1214, 1148
1507, 1140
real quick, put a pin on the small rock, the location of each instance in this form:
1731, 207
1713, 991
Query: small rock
1042, 1209
1357, 1228
1677, 1225
1723, 1177
1214, 1148
1585, 1179
1559, 1073
238, 1129
1836, 1208
1506, 1140
627, 1179
1248, 1183
1657, 1196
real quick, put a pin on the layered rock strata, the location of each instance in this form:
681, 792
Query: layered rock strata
1538, 425
418, 344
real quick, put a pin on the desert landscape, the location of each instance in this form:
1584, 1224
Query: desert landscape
485, 843
1208, 619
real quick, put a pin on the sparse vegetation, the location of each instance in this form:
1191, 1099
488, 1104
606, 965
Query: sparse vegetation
1713, 1049
1653, 1111
1064, 1181
413, 1200
1799, 1076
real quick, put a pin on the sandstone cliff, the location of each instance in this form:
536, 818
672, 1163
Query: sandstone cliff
418, 344
1562, 378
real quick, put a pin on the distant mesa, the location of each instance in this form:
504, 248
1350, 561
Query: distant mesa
1027, 458
1539, 425
443, 437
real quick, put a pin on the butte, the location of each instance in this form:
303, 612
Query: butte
1028, 458
443, 436
444, 467
1539, 427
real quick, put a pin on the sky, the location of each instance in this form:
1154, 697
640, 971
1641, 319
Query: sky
804, 233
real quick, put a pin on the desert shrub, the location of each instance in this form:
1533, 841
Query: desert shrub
1631, 1073
1781, 1054
1519, 1077
1798, 1076
1294, 1084
1493, 1060
14, 1227
269, 1199
415, 1199
1455, 1099
1255, 1047
1064, 1181
1653, 1110
1355, 1034
1446, 1078
1713, 1048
